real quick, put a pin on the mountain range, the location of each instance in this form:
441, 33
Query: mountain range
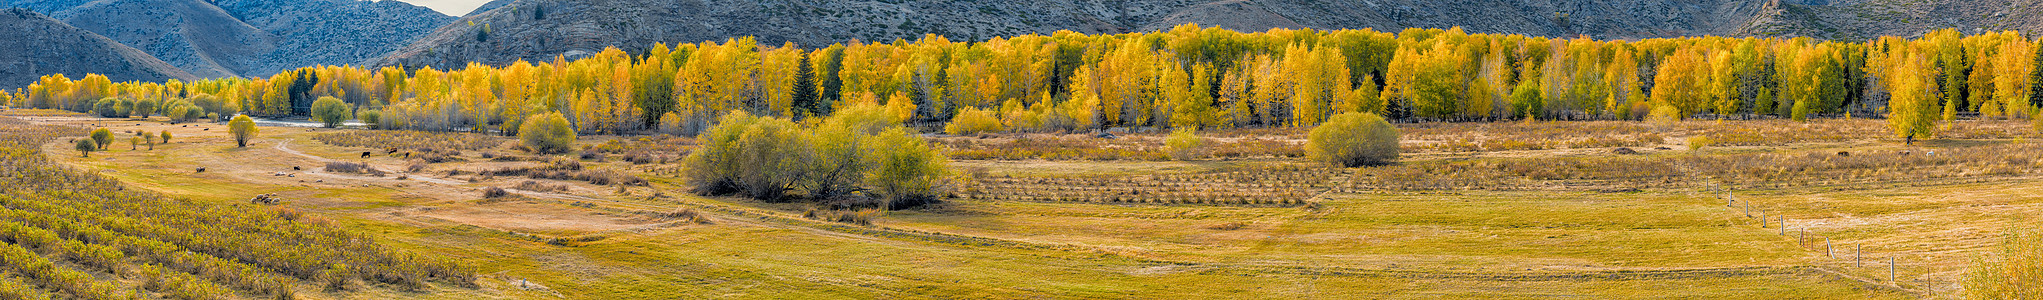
60, 48
226, 38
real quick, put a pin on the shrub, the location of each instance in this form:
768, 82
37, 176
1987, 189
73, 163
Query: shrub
772, 154
330, 111
714, 167
973, 121
670, 123
166, 137
1353, 139
772, 158
1185, 144
370, 117
243, 129
351, 167
1698, 142
85, 147
1664, 115
102, 138
494, 192
180, 111
906, 170
143, 108
2009, 271
547, 134
111, 107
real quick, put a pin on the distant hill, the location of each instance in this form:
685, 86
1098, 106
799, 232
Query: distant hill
224, 38
541, 29
33, 45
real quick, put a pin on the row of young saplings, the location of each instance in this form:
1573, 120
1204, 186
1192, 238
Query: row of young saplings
1153, 184
1208, 199
178, 247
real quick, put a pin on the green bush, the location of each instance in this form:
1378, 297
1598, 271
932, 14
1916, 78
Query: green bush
330, 111
143, 108
906, 170
110, 108
371, 117
772, 155
1353, 139
102, 138
85, 147
774, 159
714, 166
243, 129
1185, 144
547, 134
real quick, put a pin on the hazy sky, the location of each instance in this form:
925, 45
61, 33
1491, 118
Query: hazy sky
449, 7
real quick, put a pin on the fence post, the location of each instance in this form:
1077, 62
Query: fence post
1827, 250
1860, 256
1891, 272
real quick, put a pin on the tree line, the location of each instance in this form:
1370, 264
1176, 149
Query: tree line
1187, 77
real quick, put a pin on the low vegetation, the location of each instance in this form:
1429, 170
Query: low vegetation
547, 134
2014, 270
402, 139
331, 111
856, 154
1354, 139
67, 230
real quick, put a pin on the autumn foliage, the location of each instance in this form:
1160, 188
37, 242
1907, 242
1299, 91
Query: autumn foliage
1186, 77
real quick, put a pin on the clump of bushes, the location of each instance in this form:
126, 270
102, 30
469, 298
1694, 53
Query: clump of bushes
568, 169
2007, 272
494, 192
1352, 140
536, 186
547, 134
331, 111
352, 167
972, 120
409, 139
858, 150
1185, 144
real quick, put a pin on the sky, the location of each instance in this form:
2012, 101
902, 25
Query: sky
455, 8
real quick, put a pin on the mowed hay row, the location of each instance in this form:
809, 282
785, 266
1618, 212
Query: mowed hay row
1253, 186
89, 224
405, 139
1742, 170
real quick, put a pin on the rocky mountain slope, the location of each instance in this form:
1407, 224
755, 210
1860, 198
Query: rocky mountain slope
541, 29
33, 45
224, 38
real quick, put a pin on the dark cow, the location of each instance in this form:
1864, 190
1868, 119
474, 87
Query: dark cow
365, 154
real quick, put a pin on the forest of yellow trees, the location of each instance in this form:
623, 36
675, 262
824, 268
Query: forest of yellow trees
1190, 76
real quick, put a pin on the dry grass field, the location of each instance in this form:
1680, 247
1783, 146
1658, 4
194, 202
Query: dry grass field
1474, 210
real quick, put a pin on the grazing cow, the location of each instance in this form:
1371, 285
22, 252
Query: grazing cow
296, 168
365, 154
201, 170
